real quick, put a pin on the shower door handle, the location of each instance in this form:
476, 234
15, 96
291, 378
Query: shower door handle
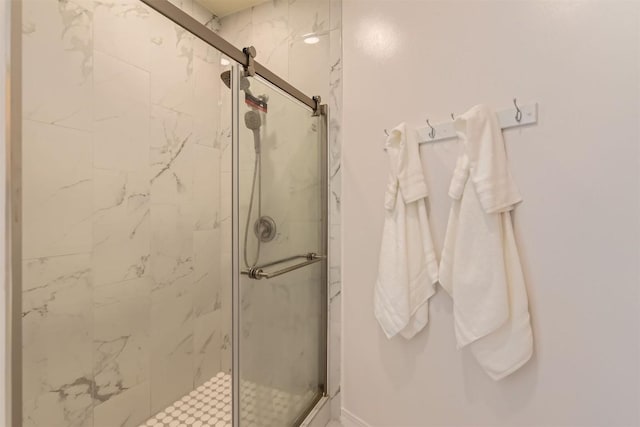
258, 272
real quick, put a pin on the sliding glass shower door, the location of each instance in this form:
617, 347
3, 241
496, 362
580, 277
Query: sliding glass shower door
281, 256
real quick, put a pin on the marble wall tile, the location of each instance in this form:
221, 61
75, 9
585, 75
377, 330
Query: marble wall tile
206, 187
122, 30
308, 16
207, 82
237, 28
58, 34
335, 194
172, 60
206, 264
129, 409
121, 226
171, 157
335, 124
172, 343
57, 338
335, 319
172, 246
271, 34
308, 66
335, 263
58, 185
207, 340
121, 337
121, 115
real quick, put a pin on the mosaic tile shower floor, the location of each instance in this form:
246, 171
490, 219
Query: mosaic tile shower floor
210, 406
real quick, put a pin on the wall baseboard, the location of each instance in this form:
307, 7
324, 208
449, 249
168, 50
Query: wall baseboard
350, 420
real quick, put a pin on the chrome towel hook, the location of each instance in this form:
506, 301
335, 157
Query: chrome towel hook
386, 132
432, 132
453, 117
518, 111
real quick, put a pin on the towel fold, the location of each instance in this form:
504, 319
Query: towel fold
408, 267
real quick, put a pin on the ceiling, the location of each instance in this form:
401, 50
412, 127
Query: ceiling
227, 7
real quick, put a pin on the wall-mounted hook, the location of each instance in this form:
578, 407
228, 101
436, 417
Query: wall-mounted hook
386, 132
518, 111
432, 132
453, 117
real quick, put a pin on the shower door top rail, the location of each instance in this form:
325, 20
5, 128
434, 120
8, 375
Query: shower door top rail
186, 21
258, 273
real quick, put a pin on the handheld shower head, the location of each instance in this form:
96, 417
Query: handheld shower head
253, 121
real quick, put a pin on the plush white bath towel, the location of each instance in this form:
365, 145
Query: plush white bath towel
408, 267
480, 266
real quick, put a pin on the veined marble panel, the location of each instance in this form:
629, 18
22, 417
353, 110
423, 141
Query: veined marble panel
171, 157
335, 124
172, 61
57, 326
121, 337
207, 340
237, 29
58, 186
172, 343
335, 194
121, 226
307, 17
207, 292
271, 34
58, 38
207, 82
335, 321
308, 69
128, 409
122, 30
121, 115
206, 187
172, 246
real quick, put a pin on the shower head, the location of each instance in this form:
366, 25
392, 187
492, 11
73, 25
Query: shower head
244, 82
226, 78
252, 120
257, 102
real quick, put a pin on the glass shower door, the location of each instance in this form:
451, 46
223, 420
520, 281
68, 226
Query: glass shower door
281, 256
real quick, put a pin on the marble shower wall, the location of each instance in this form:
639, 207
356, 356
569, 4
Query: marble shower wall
276, 28
123, 279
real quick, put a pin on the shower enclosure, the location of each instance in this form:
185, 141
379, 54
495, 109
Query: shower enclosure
172, 240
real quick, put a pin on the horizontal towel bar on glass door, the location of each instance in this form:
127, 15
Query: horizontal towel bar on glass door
258, 272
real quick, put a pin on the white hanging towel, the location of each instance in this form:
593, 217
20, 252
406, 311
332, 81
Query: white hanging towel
408, 268
480, 266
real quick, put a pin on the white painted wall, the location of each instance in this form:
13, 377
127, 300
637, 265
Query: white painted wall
578, 228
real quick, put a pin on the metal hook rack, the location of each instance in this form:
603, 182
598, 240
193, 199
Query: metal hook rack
508, 118
432, 130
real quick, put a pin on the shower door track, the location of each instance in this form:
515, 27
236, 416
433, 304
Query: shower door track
190, 24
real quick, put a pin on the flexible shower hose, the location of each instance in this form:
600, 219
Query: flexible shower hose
257, 176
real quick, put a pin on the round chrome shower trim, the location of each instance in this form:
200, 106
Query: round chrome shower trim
265, 228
